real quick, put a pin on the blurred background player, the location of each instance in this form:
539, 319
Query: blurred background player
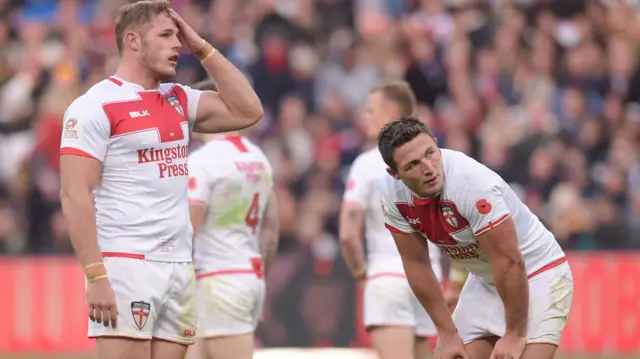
517, 298
125, 142
234, 217
399, 326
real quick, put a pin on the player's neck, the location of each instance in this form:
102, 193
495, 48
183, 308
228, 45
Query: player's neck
136, 75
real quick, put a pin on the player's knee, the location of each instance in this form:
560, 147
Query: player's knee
123, 348
540, 351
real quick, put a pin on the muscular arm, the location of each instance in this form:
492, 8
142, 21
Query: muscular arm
350, 233
501, 246
424, 283
79, 176
235, 106
269, 233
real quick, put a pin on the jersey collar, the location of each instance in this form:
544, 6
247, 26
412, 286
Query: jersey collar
120, 82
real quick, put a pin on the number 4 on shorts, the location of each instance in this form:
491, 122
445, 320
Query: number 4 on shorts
252, 219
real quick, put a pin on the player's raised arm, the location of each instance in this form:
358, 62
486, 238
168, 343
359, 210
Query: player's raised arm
269, 233
235, 106
495, 231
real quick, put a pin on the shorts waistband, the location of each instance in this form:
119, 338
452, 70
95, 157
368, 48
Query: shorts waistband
257, 270
549, 266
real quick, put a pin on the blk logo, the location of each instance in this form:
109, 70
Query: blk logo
135, 114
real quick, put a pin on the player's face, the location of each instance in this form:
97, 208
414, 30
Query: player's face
376, 114
419, 164
160, 48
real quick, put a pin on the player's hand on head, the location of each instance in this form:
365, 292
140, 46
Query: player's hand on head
101, 301
188, 36
508, 347
450, 347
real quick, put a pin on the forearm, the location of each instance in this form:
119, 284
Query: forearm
426, 287
513, 287
353, 253
233, 87
79, 214
269, 238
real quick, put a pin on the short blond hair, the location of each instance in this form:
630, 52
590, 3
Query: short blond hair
138, 14
400, 93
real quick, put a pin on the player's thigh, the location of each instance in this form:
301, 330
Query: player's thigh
481, 348
539, 351
229, 347
177, 322
479, 307
421, 347
388, 302
122, 348
550, 297
139, 287
229, 304
393, 342
162, 349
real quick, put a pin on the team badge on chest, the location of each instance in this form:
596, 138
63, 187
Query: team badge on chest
173, 101
449, 215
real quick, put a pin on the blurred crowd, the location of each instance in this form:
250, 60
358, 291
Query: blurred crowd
545, 92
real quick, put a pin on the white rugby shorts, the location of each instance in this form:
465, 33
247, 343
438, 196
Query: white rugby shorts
389, 301
154, 300
229, 302
480, 311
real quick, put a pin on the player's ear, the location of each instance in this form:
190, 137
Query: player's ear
133, 40
392, 173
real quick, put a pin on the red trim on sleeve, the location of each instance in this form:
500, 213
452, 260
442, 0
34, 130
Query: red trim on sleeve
74, 152
491, 225
198, 202
394, 229
115, 81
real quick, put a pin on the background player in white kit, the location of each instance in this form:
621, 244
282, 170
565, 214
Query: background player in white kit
517, 298
399, 326
124, 145
235, 221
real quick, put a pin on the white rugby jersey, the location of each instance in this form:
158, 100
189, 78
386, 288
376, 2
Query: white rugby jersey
474, 200
234, 178
141, 138
363, 189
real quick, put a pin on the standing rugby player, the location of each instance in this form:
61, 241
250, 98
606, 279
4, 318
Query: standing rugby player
398, 325
236, 232
124, 176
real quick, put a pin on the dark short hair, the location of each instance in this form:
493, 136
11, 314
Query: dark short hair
397, 133
135, 15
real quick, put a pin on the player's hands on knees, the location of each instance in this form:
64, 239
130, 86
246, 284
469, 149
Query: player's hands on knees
508, 347
102, 303
450, 347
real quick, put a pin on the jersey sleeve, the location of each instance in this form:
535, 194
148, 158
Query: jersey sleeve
393, 220
358, 186
483, 205
86, 131
193, 97
201, 182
